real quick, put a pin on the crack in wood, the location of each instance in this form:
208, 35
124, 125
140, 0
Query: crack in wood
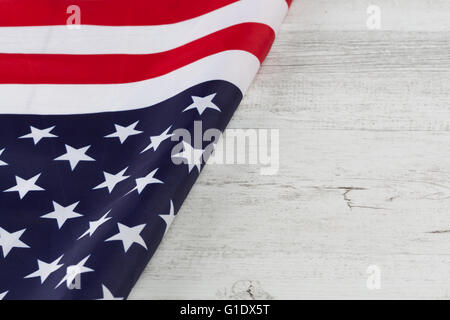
439, 231
349, 201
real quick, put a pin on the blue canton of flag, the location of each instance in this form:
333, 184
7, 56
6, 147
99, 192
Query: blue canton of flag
88, 198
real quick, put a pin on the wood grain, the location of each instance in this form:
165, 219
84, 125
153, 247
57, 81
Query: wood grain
364, 119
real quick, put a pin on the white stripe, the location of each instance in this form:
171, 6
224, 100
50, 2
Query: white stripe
237, 67
138, 39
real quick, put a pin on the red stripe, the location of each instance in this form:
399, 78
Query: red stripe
255, 38
15, 13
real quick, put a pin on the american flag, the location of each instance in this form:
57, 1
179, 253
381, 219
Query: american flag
92, 93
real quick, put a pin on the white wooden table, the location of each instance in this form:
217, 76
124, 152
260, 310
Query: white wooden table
364, 119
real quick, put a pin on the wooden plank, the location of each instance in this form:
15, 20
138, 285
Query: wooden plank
396, 15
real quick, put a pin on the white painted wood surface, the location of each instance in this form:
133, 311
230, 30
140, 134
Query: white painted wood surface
364, 119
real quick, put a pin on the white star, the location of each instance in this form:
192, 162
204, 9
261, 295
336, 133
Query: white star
74, 271
45, 269
24, 186
2, 163
107, 295
193, 157
155, 141
168, 218
201, 104
141, 183
62, 214
111, 180
9, 241
75, 155
3, 294
128, 236
38, 134
124, 132
94, 225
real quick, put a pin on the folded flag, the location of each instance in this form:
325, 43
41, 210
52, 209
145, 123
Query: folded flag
96, 101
